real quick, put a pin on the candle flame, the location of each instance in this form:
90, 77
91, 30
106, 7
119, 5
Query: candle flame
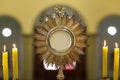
116, 44
104, 42
14, 46
4, 48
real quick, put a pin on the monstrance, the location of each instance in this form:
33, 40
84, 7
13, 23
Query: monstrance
60, 40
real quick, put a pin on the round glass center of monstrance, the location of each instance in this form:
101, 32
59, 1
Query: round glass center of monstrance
60, 40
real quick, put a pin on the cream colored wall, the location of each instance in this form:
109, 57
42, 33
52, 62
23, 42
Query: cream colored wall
28, 58
26, 11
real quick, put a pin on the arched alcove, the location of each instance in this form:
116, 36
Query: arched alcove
107, 31
39, 71
10, 32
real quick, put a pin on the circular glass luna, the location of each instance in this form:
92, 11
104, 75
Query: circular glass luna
60, 40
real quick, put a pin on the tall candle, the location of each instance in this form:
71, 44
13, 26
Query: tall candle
104, 60
5, 64
116, 62
15, 62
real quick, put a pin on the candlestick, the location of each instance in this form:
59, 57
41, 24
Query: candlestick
104, 60
116, 62
5, 64
15, 62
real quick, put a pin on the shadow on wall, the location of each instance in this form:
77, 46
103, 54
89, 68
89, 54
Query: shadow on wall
11, 33
109, 30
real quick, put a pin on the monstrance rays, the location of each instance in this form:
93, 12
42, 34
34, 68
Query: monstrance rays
78, 38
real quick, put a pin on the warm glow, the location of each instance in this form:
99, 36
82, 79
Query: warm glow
104, 43
116, 45
14, 46
4, 47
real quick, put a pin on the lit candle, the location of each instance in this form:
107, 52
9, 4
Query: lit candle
104, 61
15, 62
116, 62
5, 64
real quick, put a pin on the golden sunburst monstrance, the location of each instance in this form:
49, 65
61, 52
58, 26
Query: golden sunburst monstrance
60, 26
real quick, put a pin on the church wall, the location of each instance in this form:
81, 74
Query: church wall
26, 11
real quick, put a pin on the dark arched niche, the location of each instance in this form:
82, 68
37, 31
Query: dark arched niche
103, 34
16, 37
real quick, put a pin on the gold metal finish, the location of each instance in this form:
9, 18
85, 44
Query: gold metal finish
65, 51
60, 75
60, 23
52, 24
